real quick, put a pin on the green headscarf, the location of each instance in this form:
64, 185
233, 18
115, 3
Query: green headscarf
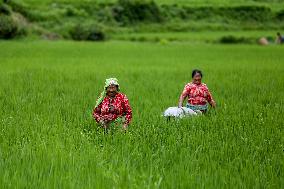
108, 82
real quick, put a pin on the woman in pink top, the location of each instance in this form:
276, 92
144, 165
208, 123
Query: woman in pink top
197, 93
112, 107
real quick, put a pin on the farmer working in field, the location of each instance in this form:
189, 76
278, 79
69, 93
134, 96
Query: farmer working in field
112, 107
197, 93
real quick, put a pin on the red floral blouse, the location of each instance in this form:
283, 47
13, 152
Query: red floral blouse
198, 94
112, 108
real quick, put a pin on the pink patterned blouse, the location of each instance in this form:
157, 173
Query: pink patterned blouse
198, 94
112, 108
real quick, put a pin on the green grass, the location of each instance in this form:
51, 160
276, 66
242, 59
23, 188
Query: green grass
48, 138
46, 17
272, 3
198, 36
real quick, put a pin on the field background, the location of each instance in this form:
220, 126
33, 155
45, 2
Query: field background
49, 84
133, 20
48, 138
271, 3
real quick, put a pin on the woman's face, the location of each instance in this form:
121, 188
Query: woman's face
197, 78
111, 90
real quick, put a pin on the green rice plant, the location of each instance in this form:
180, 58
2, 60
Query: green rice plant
48, 138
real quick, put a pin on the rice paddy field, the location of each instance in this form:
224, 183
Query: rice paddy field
48, 138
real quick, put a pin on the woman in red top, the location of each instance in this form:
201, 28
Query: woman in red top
197, 93
112, 106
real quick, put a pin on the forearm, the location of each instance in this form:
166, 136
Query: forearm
180, 102
127, 112
212, 103
210, 100
128, 115
108, 117
96, 116
103, 118
128, 118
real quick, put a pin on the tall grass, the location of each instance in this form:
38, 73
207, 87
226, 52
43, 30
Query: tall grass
273, 3
193, 36
48, 138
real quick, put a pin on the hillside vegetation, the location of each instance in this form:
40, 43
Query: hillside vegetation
100, 20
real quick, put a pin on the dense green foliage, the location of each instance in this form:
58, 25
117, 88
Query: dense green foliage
48, 138
8, 27
88, 32
5, 9
133, 12
11, 26
61, 17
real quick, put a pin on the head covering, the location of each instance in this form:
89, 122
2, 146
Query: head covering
108, 82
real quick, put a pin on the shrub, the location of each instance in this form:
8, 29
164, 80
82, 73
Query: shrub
89, 32
243, 13
12, 26
280, 15
19, 7
5, 9
36, 14
233, 40
200, 12
248, 13
8, 27
131, 12
72, 11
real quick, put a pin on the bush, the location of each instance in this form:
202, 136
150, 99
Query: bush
72, 11
8, 27
174, 11
280, 15
36, 15
248, 13
88, 32
5, 9
12, 26
243, 13
197, 13
19, 7
131, 12
235, 40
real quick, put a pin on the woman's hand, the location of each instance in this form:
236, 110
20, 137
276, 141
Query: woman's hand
125, 126
181, 99
213, 104
103, 124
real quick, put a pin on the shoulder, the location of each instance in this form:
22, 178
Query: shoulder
188, 85
203, 85
121, 96
105, 99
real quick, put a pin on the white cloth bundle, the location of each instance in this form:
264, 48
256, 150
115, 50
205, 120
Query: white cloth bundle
179, 112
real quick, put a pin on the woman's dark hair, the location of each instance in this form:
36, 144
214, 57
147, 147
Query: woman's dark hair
194, 72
